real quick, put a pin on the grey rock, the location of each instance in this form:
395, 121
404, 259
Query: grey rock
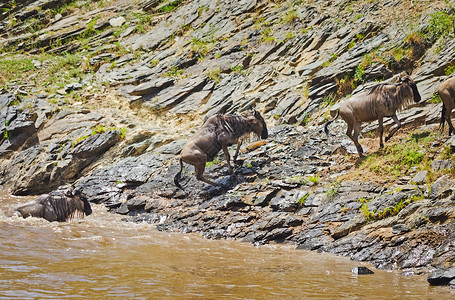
101, 58
6, 100
117, 22
442, 187
441, 164
152, 87
285, 201
400, 228
420, 177
441, 277
362, 271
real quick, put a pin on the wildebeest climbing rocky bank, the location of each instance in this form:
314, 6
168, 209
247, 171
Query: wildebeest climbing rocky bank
104, 94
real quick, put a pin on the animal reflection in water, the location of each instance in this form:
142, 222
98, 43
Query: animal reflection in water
58, 206
380, 101
217, 133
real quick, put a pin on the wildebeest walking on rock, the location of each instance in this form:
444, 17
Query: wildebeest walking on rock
58, 206
380, 101
447, 93
217, 133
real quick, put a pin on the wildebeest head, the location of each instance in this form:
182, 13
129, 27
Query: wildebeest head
411, 83
80, 201
257, 123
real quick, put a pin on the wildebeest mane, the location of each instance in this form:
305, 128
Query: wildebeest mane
233, 124
398, 100
376, 88
236, 125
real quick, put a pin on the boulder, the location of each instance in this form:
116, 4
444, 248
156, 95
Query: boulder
362, 271
443, 187
440, 165
420, 177
441, 277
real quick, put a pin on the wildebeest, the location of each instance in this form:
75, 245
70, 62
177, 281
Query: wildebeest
447, 93
217, 133
380, 101
58, 206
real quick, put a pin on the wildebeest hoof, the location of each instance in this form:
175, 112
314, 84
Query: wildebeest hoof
239, 162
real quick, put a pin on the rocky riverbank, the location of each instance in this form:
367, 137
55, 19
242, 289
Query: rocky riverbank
119, 87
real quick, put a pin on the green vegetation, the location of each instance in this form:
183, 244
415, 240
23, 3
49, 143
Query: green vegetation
441, 24
398, 158
330, 61
171, 5
388, 211
395, 160
306, 119
175, 72
290, 16
215, 161
55, 71
266, 35
435, 98
449, 70
359, 74
98, 130
237, 69
296, 179
12, 68
201, 46
332, 190
314, 179
214, 74
302, 200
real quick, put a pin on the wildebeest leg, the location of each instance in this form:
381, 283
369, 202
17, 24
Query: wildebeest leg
199, 168
448, 117
237, 151
381, 132
198, 159
228, 158
355, 139
395, 119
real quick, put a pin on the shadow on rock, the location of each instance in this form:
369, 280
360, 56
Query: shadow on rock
223, 185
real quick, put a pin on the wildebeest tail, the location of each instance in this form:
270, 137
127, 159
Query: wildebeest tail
443, 115
178, 176
326, 126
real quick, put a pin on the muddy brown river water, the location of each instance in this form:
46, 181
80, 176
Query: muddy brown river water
102, 257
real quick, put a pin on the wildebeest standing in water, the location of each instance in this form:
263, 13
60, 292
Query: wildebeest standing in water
218, 132
58, 206
380, 101
447, 93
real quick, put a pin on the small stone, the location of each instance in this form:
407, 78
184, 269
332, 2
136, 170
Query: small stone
57, 17
362, 271
400, 228
36, 63
420, 177
117, 22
